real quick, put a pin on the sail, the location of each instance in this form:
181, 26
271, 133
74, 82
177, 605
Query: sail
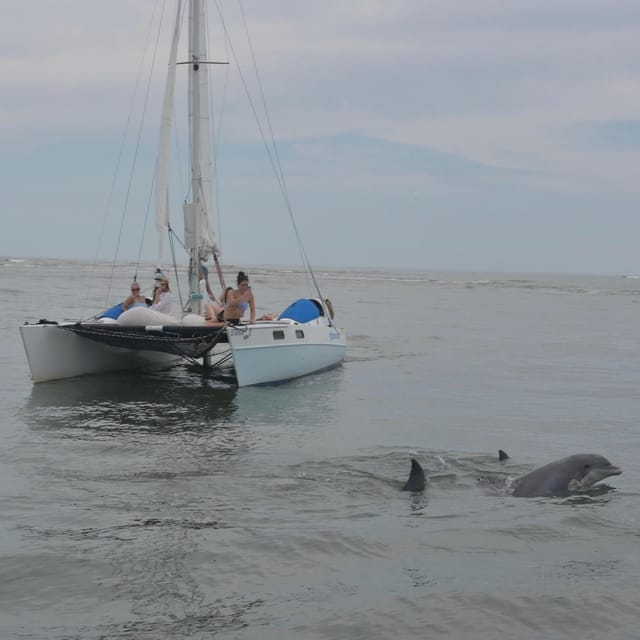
162, 175
199, 236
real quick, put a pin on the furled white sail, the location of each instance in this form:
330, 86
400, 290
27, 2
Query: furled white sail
198, 230
164, 147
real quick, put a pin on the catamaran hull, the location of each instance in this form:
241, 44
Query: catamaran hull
267, 353
261, 353
55, 353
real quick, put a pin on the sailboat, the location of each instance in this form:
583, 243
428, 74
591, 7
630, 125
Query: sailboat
301, 340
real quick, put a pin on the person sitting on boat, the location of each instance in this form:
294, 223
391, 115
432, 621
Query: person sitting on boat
204, 285
238, 300
135, 299
214, 312
162, 297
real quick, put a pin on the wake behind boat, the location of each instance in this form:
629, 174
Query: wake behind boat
302, 339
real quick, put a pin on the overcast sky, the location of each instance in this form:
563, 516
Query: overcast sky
467, 134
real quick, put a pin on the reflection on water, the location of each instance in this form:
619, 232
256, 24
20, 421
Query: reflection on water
151, 388
130, 402
177, 400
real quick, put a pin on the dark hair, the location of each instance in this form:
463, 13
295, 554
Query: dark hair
223, 298
242, 276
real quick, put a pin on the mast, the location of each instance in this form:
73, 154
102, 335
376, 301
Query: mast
199, 238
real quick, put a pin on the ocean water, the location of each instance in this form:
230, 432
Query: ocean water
174, 505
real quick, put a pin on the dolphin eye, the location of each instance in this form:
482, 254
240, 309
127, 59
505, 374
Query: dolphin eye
587, 466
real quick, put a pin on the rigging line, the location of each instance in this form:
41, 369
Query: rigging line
181, 172
88, 287
146, 217
278, 166
137, 147
178, 153
218, 133
262, 94
278, 174
175, 235
151, 192
175, 266
206, 194
260, 127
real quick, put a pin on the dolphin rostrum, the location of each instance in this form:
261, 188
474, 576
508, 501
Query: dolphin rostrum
416, 481
574, 473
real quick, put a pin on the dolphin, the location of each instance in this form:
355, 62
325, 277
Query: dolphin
417, 480
574, 473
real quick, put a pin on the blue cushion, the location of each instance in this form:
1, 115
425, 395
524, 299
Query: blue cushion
302, 310
112, 312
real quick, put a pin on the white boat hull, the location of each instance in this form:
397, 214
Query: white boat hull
264, 352
55, 353
278, 351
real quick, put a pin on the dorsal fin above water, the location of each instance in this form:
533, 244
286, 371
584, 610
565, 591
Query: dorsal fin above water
502, 455
417, 480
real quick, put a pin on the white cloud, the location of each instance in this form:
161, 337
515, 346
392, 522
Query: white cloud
497, 84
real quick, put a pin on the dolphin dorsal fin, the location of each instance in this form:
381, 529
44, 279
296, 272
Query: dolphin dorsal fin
417, 480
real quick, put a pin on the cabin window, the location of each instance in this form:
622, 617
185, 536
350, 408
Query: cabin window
299, 333
278, 335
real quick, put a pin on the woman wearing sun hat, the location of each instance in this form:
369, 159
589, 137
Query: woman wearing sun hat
162, 297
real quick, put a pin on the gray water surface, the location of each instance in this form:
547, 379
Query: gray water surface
174, 505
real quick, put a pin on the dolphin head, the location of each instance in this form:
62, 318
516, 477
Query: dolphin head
589, 468
575, 473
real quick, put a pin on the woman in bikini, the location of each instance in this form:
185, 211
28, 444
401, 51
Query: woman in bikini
135, 299
235, 301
